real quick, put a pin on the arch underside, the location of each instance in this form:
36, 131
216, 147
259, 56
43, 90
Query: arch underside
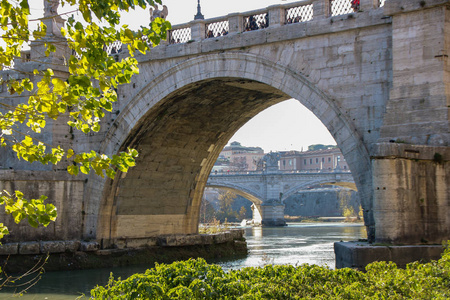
179, 125
239, 191
178, 143
306, 185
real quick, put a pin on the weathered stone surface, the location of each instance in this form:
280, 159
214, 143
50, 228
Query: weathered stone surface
53, 246
72, 246
9, 249
193, 239
359, 254
237, 234
89, 246
29, 248
207, 239
222, 237
139, 243
120, 243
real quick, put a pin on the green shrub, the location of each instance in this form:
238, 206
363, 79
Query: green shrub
195, 279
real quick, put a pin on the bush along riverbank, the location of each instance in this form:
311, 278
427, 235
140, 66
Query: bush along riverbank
195, 279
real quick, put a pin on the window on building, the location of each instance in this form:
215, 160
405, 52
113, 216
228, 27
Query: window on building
304, 161
323, 159
317, 160
329, 159
310, 161
290, 162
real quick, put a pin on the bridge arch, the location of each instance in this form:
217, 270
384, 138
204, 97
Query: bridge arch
180, 122
304, 185
238, 190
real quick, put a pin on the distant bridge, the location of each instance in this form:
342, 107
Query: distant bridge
268, 190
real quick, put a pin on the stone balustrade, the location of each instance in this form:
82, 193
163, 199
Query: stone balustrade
272, 16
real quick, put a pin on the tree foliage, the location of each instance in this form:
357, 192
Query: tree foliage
82, 89
225, 211
316, 147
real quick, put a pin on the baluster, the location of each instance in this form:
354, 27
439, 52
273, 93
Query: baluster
197, 30
236, 23
322, 9
369, 4
276, 16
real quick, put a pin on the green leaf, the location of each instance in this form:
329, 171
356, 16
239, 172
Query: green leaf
72, 170
70, 153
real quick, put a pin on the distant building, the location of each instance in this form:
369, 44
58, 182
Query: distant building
238, 158
327, 159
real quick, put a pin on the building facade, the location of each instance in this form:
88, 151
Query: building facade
236, 157
326, 160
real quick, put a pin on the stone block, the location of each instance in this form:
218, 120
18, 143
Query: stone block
29, 248
222, 237
53, 247
237, 234
359, 254
9, 249
89, 246
121, 243
138, 243
168, 240
207, 239
193, 239
72, 246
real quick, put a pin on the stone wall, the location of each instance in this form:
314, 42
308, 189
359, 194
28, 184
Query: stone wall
319, 204
64, 191
74, 254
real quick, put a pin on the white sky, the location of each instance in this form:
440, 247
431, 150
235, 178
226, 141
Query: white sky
285, 126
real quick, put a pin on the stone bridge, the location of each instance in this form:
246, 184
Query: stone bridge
268, 190
378, 79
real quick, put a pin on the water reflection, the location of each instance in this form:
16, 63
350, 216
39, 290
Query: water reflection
295, 244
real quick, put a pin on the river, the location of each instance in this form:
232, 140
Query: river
297, 243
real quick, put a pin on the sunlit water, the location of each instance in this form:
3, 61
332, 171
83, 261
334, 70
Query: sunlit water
297, 243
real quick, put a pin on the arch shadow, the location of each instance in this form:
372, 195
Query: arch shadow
180, 122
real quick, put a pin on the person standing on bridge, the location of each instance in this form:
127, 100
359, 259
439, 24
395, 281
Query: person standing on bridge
355, 5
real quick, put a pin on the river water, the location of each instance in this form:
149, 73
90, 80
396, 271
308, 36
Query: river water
297, 243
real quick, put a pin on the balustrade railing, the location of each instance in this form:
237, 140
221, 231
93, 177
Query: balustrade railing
113, 48
216, 29
324, 171
256, 22
343, 7
297, 14
180, 35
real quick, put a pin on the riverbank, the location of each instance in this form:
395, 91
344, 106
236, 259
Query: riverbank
296, 244
195, 279
228, 244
